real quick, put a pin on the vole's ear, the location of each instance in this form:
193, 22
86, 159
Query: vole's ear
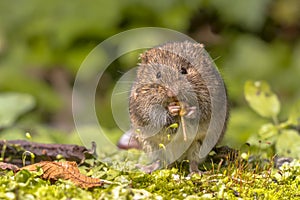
140, 57
143, 58
202, 46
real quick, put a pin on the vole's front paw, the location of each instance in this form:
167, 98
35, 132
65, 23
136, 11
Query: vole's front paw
191, 112
182, 109
174, 108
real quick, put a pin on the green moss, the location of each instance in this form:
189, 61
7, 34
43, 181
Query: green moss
236, 180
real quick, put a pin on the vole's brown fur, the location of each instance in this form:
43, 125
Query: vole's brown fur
168, 74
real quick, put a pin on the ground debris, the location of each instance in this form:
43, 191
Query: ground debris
13, 151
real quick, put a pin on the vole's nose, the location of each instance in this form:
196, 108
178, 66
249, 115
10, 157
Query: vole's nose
171, 93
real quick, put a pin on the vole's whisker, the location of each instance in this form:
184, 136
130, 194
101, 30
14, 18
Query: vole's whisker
216, 58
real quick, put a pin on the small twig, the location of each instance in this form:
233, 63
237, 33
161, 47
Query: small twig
183, 128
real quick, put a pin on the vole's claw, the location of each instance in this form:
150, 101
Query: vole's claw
191, 112
174, 109
194, 169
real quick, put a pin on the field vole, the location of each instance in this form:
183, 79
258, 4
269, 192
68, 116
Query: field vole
171, 94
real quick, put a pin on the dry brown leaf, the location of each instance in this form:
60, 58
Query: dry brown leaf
65, 170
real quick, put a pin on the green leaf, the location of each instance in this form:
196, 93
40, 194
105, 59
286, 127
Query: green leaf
261, 99
12, 105
268, 132
288, 144
23, 176
294, 117
241, 13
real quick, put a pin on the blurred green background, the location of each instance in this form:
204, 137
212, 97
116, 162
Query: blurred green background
43, 43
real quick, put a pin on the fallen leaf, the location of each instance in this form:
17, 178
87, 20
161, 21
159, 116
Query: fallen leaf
65, 170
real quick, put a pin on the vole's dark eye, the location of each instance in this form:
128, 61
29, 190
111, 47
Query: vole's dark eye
158, 75
183, 70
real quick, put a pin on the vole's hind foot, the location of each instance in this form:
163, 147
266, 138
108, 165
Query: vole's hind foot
194, 169
128, 141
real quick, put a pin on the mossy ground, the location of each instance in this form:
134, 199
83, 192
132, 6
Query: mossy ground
235, 180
